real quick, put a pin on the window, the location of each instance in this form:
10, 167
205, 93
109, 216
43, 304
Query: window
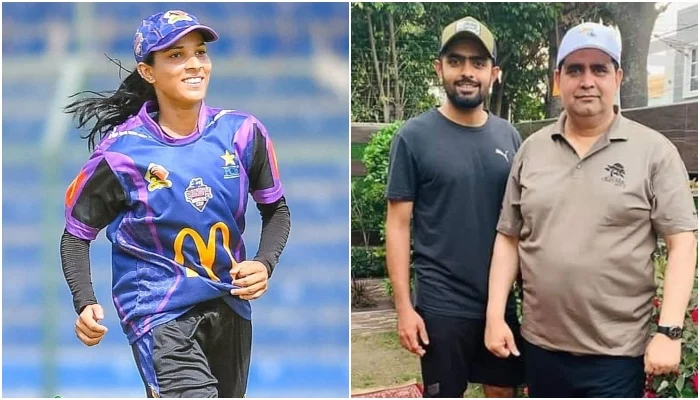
690, 86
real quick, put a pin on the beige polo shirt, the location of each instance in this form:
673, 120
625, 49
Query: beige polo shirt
587, 230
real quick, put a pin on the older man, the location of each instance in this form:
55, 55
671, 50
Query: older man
586, 199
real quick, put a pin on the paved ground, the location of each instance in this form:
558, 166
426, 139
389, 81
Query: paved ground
381, 317
365, 322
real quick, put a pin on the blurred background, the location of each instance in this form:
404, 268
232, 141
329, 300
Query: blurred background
285, 63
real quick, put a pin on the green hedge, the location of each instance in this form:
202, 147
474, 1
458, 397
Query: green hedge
368, 262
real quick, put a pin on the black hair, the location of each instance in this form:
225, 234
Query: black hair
112, 107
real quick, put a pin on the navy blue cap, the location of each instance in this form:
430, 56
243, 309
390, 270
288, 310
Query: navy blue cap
162, 30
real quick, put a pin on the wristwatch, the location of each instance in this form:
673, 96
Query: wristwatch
673, 332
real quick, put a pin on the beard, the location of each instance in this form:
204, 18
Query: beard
464, 102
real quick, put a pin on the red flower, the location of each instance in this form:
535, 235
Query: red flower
650, 394
695, 375
694, 314
656, 302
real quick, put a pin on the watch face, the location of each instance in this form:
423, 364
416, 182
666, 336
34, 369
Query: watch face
675, 332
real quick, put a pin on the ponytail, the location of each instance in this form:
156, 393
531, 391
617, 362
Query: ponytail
111, 108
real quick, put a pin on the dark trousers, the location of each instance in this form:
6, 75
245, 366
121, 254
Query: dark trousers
560, 374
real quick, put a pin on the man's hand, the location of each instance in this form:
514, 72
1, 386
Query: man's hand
411, 327
86, 327
499, 338
663, 355
251, 278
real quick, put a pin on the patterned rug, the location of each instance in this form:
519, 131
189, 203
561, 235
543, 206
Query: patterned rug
411, 390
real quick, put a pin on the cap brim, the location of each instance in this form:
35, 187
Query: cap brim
588, 46
465, 35
209, 36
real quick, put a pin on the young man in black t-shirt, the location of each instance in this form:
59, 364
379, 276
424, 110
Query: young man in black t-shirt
448, 171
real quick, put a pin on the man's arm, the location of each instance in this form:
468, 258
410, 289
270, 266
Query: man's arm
674, 217
679, 278
504, 270
505, 262
498, 337
398, 251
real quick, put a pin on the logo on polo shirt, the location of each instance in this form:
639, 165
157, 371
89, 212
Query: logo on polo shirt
616, 174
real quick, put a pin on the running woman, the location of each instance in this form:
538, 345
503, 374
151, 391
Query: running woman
169, 179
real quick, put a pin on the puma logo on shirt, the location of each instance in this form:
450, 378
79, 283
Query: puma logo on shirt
504, 154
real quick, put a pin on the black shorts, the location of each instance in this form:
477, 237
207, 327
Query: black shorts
203, 353
560, 374
456, 356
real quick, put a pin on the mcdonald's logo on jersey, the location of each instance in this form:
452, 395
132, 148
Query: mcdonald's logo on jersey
205, 251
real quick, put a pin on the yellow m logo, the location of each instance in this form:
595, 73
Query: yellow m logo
206, 251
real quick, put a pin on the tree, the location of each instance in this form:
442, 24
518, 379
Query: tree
635, 21
390, 63
394, 44
392, 70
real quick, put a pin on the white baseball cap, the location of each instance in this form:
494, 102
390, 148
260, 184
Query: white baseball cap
590, 35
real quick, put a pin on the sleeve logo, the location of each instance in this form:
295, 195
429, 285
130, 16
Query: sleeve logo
73, 189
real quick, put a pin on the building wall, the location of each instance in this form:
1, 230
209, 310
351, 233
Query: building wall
687, 33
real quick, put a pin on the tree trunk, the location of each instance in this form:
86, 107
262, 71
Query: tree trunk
636, 21
553, 103
375, 60
398, 103
499, 96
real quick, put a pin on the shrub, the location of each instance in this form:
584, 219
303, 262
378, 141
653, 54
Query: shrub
360, 295
368, 209
685, 383
367, 262
376, 155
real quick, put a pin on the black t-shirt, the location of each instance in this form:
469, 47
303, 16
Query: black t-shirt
456, 178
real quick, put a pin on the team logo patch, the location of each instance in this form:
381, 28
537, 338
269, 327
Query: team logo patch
176, 15
469, 26
230, 166
616, 174
138, 42
198, 194
587, 30
157, 177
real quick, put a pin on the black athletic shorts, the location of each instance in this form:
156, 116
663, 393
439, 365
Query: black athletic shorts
560, 374
203, 353
456, 356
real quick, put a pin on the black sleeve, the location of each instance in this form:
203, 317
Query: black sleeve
260, 171
101, 200
402, 178
75, 260
275, 231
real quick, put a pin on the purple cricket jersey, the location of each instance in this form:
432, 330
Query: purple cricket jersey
178, 228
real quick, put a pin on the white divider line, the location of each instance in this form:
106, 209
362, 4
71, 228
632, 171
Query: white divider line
57, 121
